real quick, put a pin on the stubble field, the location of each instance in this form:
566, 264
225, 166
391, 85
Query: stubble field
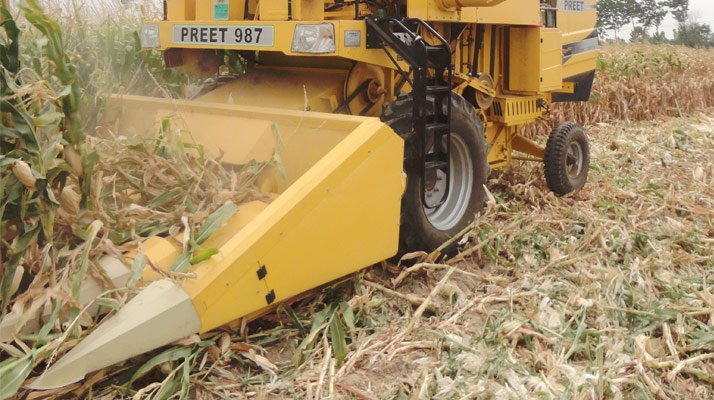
604, 294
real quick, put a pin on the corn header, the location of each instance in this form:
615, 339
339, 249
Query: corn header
388, 116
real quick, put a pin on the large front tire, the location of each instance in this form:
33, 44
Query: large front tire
426, 228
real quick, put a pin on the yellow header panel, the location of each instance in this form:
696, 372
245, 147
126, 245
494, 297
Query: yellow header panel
340, 216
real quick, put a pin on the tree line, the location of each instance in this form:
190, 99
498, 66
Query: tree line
646, 18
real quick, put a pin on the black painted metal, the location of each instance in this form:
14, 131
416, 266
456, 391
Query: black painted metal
262, 272
361, 89
480, 32
402, 36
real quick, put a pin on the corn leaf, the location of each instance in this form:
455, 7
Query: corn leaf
13, 373
169, 355
168, 389
81, 272
47, 327
84, 258
137, 268
337, 338
166, 197
182, 263
11, 350
348, 315
295, 319
186, 379
48, 119
203, 254
215, 220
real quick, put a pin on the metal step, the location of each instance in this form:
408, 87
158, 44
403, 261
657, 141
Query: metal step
435, 50
438, 127
439, 56
438, 89
436, 165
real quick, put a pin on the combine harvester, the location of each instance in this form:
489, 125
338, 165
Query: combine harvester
388, 117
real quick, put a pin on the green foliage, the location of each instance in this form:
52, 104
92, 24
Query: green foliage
55, 75
62, 68
10, 50
39, 124
107, 57
195, 254
694, 34
614, 14
334, 322
36, 126
679, 9
651, 14
639, 34
13, 373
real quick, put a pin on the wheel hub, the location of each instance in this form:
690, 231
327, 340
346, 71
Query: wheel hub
461, 176
370, 101
574, 160
374, 91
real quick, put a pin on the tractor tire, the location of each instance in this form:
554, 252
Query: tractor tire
425, 228
567, 159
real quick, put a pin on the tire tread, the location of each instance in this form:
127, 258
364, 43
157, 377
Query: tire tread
555, 175
397, 115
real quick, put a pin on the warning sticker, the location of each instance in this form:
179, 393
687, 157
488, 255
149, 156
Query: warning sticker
353, 38
220, 10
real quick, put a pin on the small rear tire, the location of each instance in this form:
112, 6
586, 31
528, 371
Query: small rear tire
567, 159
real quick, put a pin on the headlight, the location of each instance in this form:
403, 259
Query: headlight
150, 36
314, 39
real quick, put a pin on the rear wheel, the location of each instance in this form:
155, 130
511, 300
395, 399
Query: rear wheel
423, 226
567, 159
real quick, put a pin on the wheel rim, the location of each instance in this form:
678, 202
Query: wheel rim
448, 215
574, 160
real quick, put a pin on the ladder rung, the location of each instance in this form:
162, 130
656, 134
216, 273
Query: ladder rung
437, 89
436, 165
438, 127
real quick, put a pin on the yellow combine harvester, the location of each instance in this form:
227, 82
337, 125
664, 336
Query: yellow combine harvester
387, 115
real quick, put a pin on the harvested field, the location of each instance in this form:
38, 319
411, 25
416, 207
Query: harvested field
605, 294
641, 82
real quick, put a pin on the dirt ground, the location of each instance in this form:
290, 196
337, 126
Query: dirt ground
603, 295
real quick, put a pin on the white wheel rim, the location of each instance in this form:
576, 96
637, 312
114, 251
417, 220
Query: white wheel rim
461, 179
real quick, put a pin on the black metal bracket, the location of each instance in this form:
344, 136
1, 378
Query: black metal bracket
432, 130
262, 272
361, 89
270, 297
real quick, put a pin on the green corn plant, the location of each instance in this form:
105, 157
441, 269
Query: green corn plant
32, 171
